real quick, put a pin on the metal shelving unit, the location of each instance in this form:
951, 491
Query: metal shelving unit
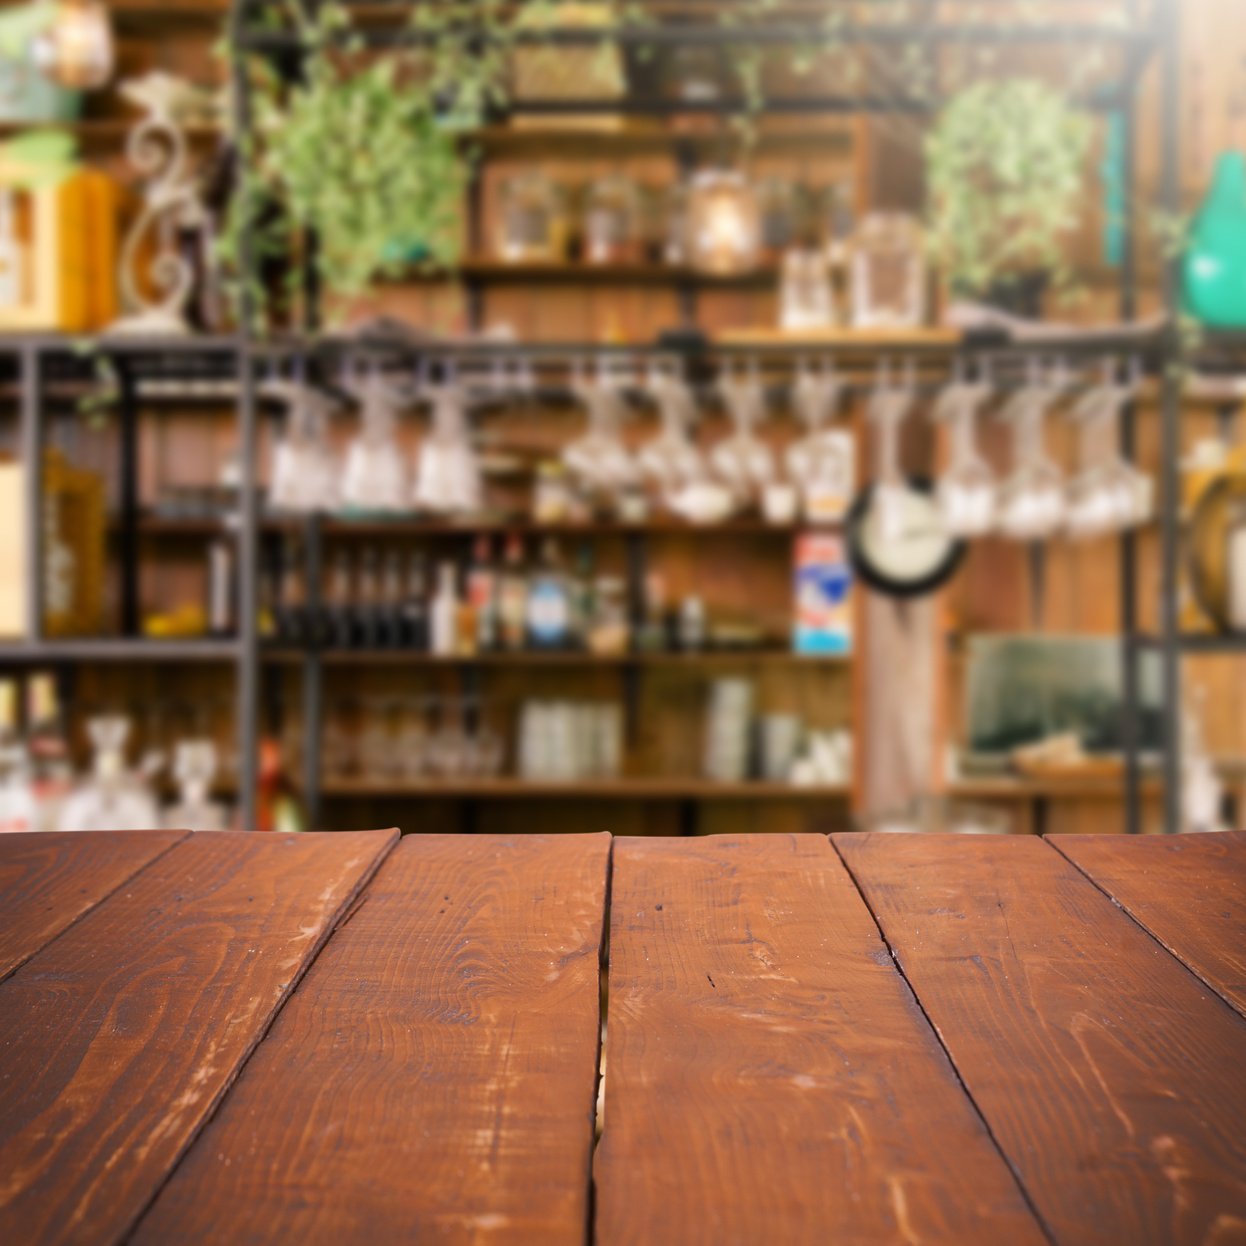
239, 361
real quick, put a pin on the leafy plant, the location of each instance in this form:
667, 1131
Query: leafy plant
1005, 166
353, 156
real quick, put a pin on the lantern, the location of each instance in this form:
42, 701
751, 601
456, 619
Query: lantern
724, 226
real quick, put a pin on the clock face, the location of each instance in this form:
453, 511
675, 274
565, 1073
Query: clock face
899, 541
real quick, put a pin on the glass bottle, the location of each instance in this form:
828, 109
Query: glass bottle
110, 799
612, 233
533, 220
18, 811
415, 633
389, 625
888, 273
482, 594
341, 611
805, 298
52, 772
444, 615
513, 596
368, 601
549, 601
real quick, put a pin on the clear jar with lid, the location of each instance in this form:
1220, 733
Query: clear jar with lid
532, 222
724, 224
552, 499
838, 215
888, 273
612, 221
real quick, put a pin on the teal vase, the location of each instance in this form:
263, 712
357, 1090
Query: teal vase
1214, 267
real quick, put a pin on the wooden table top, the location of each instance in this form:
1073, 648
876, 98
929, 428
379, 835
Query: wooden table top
869, 1038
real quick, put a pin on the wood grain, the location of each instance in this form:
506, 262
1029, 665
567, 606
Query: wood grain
48, 881
1110, 1076
117, 1040
1189, 891
769, 1077
433, 1078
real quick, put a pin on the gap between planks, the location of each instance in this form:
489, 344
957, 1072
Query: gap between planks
349, 908
1044, 1228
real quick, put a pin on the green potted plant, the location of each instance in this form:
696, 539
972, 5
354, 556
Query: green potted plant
1005, 167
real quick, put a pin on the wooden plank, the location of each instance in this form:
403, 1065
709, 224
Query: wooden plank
769, 1077
118, 1039
1189, 891
434, 1076
48, 881
1108, 1074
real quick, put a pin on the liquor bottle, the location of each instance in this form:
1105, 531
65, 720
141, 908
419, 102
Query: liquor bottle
17, 802
415, 606
340, 609
482, 595
278, 807
52, 772
582, 597
294, 626
513, 597
368, 601
549, 602
444, 615
651, 633
389, 624
222, 583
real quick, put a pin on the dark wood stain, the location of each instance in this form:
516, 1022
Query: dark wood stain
433, 1077
117, 1040
1110, 1076
48, 881
769, 1077
1189, 891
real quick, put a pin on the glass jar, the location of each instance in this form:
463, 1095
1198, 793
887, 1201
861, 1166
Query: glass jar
888, 273
778, 217
724, 223
805, 298
612, 224
675, 237
532, 223
838, 220
608, 633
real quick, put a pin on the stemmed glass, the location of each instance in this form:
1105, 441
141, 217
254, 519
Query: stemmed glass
375, 477
967, 489
599, 460
448, 478
1108, 495
305, 473
742, 461
1031, 500
672, 460
890, 405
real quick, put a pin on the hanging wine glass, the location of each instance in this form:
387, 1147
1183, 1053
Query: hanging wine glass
967, 490
742, 461
1031, 499
448, 478
822, 464
375, 477
599, 461
672, 461
1108, 495
305, 472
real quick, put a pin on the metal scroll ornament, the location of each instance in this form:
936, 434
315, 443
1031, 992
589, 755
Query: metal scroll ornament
156, 299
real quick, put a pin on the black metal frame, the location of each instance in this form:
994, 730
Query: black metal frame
244, 355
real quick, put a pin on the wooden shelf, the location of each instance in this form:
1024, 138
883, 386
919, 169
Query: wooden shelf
555, 141
677, 789
403, 526
707, 660
502, 272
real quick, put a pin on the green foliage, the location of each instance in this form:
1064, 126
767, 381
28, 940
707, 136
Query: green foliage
1005, 167
354, 155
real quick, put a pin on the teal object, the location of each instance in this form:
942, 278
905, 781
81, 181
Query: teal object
1214, 266
1113, 173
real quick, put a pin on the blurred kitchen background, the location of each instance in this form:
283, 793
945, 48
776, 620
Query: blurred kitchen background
682, 418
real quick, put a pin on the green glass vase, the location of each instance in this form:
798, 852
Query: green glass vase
1214, 266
